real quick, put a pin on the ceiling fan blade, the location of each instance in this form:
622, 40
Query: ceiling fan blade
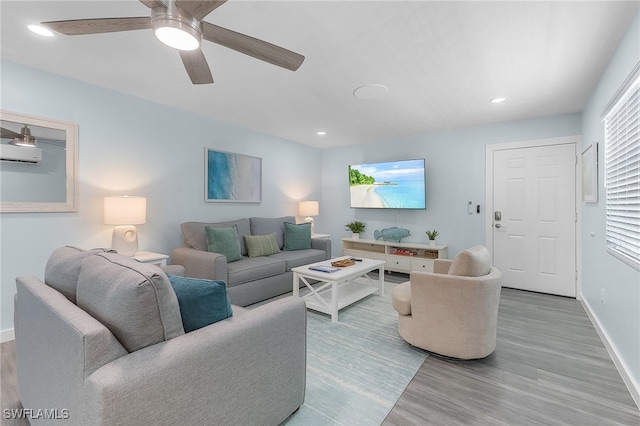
8, 134
196, 66
252, 46
200, 9
153, 3
99, 25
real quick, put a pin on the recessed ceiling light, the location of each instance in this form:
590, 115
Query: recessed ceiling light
40, 30
370, 91
321, 133
497, 100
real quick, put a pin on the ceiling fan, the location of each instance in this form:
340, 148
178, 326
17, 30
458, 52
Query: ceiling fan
24, 138
179, 24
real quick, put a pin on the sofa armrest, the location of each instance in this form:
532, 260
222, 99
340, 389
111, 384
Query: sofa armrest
441, 266
173, 270
201, 264
58, 345
248, 369
322, 244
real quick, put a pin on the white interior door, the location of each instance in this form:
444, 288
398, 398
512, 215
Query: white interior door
534, 218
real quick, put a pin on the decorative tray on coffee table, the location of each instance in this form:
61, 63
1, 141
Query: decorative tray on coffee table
343, 263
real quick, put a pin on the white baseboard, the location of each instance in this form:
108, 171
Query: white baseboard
7, 335
632, 385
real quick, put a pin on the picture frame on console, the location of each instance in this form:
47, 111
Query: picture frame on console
231, 177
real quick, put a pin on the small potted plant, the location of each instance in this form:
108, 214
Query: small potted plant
356, 227
432, 236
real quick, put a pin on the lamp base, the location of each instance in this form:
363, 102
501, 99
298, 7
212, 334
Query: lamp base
310, 220
125, 240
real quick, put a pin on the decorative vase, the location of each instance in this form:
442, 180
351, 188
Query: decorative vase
355, 236
432, 242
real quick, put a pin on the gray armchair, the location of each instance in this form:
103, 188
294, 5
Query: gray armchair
452, 311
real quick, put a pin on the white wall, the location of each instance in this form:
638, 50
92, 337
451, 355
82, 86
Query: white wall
455, 175
619, 317
131, 146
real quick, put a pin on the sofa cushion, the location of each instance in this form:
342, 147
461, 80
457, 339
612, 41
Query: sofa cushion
297, 236
472, 262
261, 245
254, 268
267, 225
63, 268
401, 298
194, 235
297, 258
224, 241
202, 302
134, 300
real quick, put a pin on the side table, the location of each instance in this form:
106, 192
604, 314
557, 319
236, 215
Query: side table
320, 236
157, 259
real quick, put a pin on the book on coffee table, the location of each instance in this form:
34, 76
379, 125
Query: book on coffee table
322, 268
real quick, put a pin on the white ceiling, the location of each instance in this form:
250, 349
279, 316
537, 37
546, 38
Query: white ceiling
441, 61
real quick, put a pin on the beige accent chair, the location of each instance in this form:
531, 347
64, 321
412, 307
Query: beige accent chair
452, 311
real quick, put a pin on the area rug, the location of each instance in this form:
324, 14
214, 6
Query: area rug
357, 368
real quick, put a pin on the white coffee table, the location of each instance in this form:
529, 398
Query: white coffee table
341, 288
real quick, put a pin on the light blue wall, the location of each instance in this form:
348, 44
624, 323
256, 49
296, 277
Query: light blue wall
131, 146
620, 315
455, 175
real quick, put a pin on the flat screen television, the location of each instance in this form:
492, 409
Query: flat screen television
389, 185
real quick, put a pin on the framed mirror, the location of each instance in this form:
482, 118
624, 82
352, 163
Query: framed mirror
38, 164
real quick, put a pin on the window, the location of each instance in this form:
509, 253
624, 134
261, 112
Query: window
622, 173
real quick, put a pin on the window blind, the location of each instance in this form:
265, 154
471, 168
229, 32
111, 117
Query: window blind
622, 175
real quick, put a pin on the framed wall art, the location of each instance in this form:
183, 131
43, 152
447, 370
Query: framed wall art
230, 177
590, 173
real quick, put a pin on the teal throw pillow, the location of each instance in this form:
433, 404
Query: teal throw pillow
297, 236
261, 245
202, 302
224, 241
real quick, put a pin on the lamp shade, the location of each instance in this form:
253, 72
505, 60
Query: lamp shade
125, 210
308, 208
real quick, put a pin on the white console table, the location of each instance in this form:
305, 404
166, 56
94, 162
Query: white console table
399, 257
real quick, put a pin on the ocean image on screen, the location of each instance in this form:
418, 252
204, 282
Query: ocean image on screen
233, 177
392, 185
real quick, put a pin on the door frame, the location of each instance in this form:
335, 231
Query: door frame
488, 202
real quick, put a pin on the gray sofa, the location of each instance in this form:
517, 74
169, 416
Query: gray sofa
102, 343
251, 279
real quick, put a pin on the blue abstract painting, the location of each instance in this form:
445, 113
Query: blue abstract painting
232, 177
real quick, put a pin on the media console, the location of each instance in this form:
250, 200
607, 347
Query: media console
399, 257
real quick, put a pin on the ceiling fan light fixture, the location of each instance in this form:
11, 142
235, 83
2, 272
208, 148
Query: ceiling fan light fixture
176, 28
22, 142
178, 38
25, 138
40, 30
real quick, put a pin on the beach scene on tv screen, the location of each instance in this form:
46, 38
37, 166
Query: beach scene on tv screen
393, 185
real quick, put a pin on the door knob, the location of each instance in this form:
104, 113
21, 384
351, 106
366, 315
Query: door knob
497, 225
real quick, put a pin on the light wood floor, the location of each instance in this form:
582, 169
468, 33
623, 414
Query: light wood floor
549, 368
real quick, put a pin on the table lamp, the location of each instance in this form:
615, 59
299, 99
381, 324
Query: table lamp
125, 212
308, 209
